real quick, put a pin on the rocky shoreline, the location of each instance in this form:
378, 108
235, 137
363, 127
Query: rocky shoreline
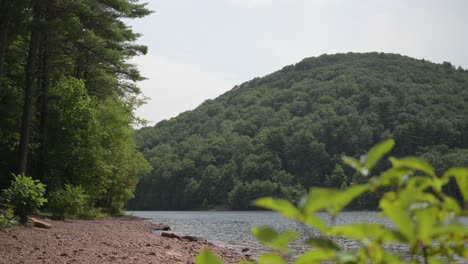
109, 240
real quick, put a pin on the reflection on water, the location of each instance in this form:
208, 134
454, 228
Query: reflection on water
232, 229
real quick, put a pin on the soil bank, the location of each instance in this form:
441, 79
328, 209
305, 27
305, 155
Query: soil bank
109, 240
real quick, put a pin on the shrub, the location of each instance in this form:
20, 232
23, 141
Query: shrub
7, 218
25, 196
425, 219
69, 202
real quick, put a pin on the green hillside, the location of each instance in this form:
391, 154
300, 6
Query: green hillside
283, 133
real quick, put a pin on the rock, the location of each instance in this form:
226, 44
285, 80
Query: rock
162, 228
151, 254
39, 223
192, 238
170, 235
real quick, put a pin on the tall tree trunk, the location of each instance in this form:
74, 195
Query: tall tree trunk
4, 24
44, 109
28, 95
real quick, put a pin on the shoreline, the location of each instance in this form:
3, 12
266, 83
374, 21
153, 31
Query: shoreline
128, 239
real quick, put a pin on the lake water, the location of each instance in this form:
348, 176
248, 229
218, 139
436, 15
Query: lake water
232, 228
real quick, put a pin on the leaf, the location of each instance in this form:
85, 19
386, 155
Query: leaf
316, 222
315, 256
331, 200
444, 230
413, 163
206, 257
436, 260
399, 218
282, 206
352, 162
395, 176
346, 257
270, 258
364, 232
272, 239
461, 176
426, 221
377, 152
451, 205
322, 243
393, 259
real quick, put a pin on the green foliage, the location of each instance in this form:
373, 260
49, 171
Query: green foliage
206, 257
271, 238
293, 126
70, 202
119, 164
69, 86
425, 218
97, 150
25, 196
7, 218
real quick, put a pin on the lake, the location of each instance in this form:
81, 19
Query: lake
232, 229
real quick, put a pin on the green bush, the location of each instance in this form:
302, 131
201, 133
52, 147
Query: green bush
425, 219
69, 202
7, 218
25, 196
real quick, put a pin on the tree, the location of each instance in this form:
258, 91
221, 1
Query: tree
68, 61
292, 127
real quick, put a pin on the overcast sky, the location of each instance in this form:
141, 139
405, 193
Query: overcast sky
199, 49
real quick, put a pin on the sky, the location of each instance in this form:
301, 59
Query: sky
199, 49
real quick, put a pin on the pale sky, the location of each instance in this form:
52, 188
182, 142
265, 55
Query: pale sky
199, 49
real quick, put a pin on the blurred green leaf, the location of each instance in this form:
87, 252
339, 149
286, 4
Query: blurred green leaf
206, 257
394, 176
436, 260
413, 163
270, 258
331, 200
346, 257
377, 152
316, 222
399, 218
364, 232
461, 176
426, 221
316, 256
269, 237
451, 205
322, 243
282, 206
353, 163
449, 229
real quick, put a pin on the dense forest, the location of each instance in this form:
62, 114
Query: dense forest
283, 133
67, 96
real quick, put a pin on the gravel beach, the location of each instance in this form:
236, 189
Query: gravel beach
109, 240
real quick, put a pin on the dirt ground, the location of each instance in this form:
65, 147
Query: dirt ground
110, 240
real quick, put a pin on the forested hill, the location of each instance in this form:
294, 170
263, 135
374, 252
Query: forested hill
283, 133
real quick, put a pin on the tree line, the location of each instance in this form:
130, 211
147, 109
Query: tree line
67, 96
287, 132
